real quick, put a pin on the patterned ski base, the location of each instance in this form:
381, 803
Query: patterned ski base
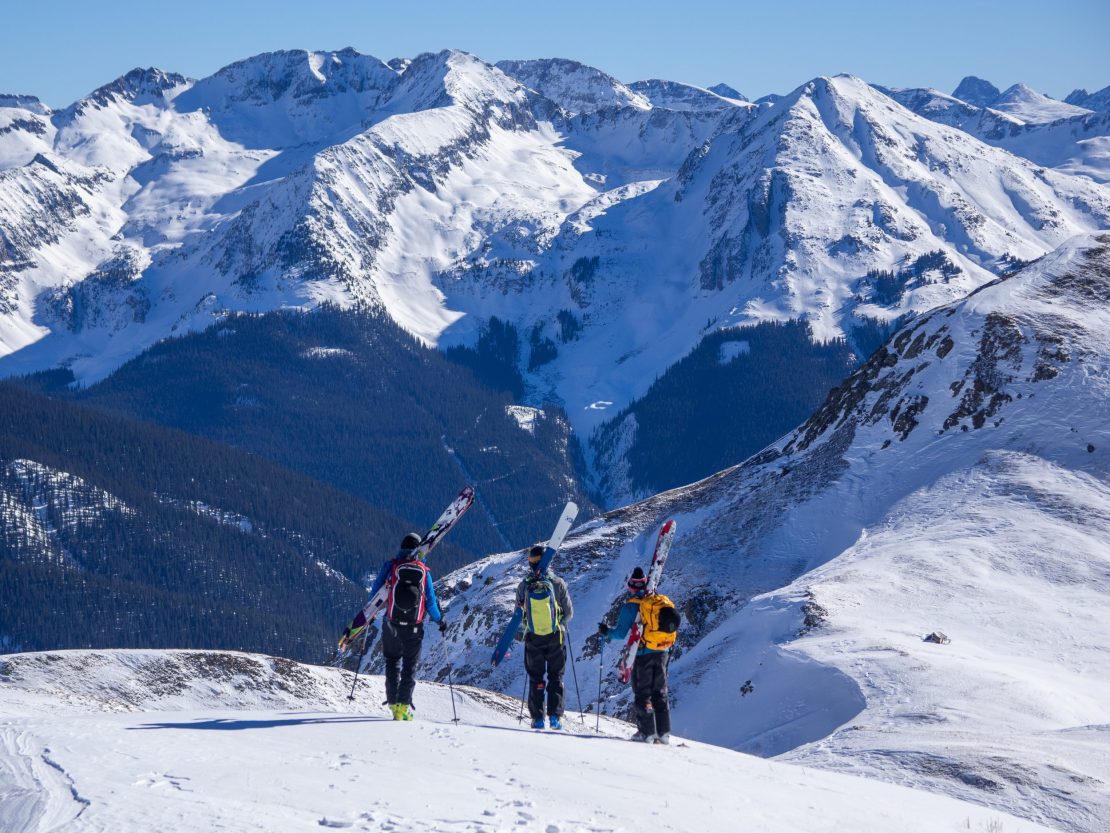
655, 573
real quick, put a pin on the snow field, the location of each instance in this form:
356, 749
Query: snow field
206, 766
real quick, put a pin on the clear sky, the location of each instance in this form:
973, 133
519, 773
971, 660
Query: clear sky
60, 51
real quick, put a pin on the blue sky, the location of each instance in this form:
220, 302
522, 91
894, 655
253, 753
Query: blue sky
63, 51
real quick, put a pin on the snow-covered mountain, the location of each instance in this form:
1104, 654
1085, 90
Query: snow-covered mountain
613, 225
1079, 144
1019, 101
957, 482
1025, 103
1099, 100
976, 91
185, 740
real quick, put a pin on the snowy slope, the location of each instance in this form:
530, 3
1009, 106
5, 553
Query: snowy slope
199, 741
957, 482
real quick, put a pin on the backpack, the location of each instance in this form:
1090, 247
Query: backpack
541, 611
660, 622
405, 605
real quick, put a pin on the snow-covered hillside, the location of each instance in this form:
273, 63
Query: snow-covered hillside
139, 741
957, 482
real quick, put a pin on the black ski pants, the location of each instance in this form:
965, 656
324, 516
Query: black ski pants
650, 708
401, 648
545, 655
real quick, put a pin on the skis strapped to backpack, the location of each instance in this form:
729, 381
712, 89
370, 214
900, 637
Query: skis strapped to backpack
359, 625
655, 572
553, 544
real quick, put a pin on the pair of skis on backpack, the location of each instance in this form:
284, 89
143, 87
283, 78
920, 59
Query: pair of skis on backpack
636, 634
357, 632
355, 635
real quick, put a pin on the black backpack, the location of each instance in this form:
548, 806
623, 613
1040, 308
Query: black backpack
406, 593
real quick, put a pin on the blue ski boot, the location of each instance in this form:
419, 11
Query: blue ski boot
554, 723
537, 723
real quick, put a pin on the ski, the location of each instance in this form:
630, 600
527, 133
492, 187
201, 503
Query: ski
374, 606
570, 512
655, 573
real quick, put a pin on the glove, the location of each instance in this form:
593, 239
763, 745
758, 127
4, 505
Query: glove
443, 626
602, 629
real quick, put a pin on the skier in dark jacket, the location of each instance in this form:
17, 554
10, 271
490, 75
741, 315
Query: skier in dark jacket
412, 596
547, 609
649, 670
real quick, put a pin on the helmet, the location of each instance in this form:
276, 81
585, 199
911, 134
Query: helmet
410, 542
637, 582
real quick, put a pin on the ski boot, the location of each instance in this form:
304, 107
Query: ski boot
664, 739
640, 737
537, 723
405, 710
394, 710
554, 723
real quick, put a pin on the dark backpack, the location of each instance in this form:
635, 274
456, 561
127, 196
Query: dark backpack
405, 605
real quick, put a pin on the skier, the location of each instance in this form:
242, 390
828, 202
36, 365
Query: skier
411, 596
659, 622
547, 609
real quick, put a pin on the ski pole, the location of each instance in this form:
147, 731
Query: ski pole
450, 682
574, 671
600, 672
358, 667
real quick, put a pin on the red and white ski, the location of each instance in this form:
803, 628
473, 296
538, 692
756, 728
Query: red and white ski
655, 572
377, 602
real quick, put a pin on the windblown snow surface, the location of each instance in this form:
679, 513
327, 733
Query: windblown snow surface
958, 482
199, 741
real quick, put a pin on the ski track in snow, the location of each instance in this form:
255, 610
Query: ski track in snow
36, 793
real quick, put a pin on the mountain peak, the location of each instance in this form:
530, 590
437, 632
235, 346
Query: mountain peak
976, 91
1027, 104
725, 91
574, 86
294, 74
29, 103
140, 83
1099, 100
674, 95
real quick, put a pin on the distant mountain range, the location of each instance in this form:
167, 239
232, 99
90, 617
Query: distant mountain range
612, 226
